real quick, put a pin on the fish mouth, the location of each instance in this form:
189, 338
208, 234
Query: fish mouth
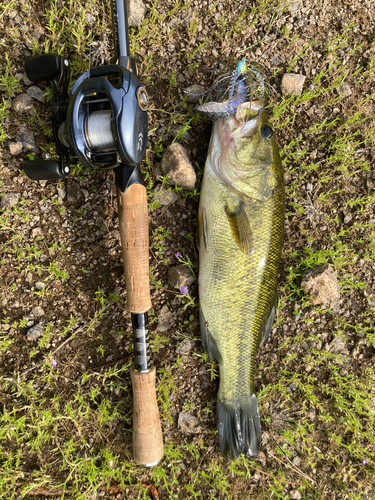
246, 118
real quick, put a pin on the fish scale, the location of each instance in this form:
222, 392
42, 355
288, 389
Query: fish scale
238, 268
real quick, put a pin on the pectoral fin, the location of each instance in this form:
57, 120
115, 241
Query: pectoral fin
241, 229
202, 229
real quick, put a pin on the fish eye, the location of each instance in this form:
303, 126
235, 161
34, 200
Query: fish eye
267, 132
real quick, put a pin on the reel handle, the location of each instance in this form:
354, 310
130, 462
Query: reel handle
42, 170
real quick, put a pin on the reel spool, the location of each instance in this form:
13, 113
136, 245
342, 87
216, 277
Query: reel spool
104, 121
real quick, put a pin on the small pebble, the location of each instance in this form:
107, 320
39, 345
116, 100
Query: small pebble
193, 93
9, 200
15, 148
23, 103
344, 89
38, 311
35, 332
37, 93
40, 285
292, 83
295, 495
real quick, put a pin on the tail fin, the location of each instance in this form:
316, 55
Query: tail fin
239, 428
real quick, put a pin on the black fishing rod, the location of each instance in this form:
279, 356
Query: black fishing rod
103, 122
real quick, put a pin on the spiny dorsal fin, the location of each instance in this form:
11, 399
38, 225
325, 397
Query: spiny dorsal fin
241, 229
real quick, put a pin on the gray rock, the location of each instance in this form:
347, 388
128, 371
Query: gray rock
292, 83
36, 93
38, 33
194, 93
295, 7
179, 276
23, 103
36, 231
15, 148
165, 319
321, 284
295, 495
90, 18
176, 164
347, 219
35, 332
344, 89
136, 12
187, 423
26, 80
163, 196
74, 194
276, 60
338, 346
157, 171
61, 192
9, 200
176, 130
39, 285
29, 277
186, 346
296, 461
38, 311
28, 141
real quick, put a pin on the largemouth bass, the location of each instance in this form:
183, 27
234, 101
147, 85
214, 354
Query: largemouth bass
240, 236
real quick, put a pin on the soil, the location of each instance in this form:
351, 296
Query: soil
73, 226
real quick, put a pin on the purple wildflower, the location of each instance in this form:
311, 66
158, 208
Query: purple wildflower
365, 462
54, 363
177, 254
184, 290
312, 87
170, 397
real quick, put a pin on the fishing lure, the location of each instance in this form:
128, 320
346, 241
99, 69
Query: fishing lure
229, 91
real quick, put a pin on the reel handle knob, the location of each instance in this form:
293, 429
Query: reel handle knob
44, 67
42, 170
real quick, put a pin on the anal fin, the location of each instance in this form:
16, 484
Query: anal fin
208, 341
267, 326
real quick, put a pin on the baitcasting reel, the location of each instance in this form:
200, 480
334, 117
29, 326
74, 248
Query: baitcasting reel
103, 123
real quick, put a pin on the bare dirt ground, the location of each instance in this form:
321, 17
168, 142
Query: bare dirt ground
61, 265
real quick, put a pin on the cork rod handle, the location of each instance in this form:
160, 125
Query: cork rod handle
147, 435
133, 221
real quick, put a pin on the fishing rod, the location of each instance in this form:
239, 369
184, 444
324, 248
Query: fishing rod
104, 124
